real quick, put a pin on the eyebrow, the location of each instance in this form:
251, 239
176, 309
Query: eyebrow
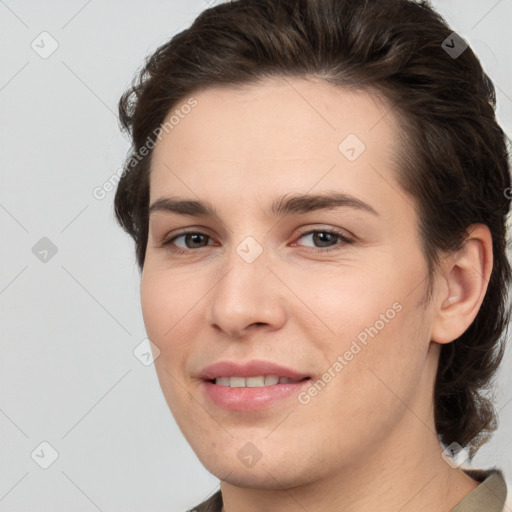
288, 204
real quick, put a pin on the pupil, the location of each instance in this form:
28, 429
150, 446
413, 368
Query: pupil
195, 237
320, 235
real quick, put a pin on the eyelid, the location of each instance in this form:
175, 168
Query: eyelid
345, 237
169, 238
343, 233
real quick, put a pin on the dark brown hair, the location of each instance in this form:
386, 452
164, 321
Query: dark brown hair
456, 165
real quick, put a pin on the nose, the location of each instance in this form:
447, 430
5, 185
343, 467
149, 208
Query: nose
247, 297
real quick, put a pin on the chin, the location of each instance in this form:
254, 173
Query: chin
256, 478
272, 472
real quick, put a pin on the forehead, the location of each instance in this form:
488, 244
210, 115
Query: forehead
277, 134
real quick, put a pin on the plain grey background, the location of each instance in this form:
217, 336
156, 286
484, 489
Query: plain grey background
69, 304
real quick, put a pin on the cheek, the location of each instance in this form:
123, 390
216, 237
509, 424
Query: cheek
166, 299
383, 360
351, 299
370, 317
155, 307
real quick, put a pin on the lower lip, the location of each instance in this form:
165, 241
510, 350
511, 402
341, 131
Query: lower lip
251, 399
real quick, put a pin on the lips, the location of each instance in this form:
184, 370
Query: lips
238, 386
254, 368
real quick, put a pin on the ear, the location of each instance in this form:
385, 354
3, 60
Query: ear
464, 277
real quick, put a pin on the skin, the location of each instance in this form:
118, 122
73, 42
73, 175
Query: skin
367, 440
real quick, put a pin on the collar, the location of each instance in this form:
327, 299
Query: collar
489, 496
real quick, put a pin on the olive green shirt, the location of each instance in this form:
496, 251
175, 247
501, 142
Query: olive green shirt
489, 496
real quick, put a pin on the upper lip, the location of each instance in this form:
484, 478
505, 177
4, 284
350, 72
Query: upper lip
252, 368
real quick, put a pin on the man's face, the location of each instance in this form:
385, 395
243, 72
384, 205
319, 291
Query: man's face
333, 295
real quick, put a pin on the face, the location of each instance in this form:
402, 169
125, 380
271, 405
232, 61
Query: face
327, 287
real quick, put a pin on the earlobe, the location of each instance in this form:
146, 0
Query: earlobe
466, 276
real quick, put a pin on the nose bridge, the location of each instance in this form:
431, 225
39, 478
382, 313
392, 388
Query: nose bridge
247, 293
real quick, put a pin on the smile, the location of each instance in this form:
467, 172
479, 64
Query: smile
254, 382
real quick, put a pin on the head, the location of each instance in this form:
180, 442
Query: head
261, 101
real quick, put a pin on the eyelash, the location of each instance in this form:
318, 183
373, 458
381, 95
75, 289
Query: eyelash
167, 243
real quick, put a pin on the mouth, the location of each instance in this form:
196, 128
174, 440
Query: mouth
258, 381
251, 385
257, 393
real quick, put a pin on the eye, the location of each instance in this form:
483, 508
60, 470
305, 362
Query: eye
326, 239
192, 240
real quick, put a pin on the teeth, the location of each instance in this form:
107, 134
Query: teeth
253, 382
